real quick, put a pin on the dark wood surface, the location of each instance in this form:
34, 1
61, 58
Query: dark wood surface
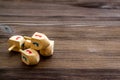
86, 34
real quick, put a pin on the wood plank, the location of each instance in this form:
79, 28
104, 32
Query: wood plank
75, 47
86, 34
85, 11
59, 74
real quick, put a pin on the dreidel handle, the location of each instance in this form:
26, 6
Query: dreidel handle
10, 49
21, 51
26, 37
24, 52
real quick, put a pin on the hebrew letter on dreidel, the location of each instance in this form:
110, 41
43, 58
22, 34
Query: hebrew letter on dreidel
15, 42
30, 56
39, 41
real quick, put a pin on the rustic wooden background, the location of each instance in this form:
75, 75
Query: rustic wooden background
86, 34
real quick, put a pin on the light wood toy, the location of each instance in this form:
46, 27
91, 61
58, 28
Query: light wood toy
16, 42
38, 41
27, 43
49, 50
30, 56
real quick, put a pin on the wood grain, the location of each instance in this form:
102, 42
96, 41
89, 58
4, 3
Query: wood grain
66, 12
86, 34
59, 74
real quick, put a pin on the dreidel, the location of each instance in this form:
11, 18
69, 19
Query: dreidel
30, 56
38, 41
27, 43
49, 50
16, 42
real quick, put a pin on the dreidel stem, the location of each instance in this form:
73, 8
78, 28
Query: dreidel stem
26, 37
10, 49
28, 51
21, 51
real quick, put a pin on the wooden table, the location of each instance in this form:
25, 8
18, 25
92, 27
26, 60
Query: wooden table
86, 34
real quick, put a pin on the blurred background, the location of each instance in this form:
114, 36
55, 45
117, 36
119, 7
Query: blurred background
60, 12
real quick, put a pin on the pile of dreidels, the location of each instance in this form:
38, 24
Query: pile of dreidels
31, 47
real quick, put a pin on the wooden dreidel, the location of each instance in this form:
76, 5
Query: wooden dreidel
27, 43
30, 56
49, 50
15, 42
38, 41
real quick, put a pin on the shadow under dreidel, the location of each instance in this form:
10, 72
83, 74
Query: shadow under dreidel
14, 53
44, 58
28, 66
13, 58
